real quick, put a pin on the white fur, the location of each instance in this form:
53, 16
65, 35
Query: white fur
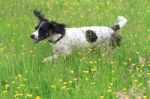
36, 35
121, 21
75, 38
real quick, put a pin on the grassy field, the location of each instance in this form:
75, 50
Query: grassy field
92, 73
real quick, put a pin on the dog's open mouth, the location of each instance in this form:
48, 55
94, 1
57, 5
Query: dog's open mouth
36, 40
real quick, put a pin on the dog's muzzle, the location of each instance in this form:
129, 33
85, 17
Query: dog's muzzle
34, 39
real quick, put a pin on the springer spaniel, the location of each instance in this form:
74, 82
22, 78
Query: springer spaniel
65, 40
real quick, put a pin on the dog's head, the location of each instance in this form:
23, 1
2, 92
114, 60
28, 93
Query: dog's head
46, 29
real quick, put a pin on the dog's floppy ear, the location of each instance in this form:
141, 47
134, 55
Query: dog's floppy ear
58, 28
39, 15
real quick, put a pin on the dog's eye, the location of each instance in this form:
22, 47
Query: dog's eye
42, 30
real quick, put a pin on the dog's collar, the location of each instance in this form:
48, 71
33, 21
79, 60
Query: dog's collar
54, 42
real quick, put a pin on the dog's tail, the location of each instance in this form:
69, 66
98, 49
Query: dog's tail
121, 21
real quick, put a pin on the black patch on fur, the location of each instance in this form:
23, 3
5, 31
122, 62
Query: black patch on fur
116, 27
91, 36
48, 28
58, 28
44, 30
115, 40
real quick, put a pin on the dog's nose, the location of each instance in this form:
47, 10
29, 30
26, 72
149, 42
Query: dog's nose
32, 36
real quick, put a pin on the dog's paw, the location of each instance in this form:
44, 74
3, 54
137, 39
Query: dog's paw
45, 60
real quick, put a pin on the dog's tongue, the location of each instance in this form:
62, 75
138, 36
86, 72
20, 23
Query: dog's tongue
35, 41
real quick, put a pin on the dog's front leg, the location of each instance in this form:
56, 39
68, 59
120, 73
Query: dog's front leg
63, 50
55, 55
48, 59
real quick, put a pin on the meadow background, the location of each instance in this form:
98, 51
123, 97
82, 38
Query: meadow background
92, 73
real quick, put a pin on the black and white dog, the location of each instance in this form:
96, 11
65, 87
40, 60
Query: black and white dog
65, 40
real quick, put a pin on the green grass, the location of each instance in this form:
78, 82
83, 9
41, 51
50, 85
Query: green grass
88, 74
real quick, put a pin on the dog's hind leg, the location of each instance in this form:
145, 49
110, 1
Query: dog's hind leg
115, 40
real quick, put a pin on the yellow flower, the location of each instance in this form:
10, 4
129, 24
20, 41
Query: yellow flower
111, 84
93, 70
135, 80
93, 83
142, 65
95, 62
141, 84
63, 87
101, 97
112, 62
19, 75
18, 94
80, 60
130, 70
21, 94
64, 83
26, 71
109, 90
91, 62
16, 77
75, 79
103, 55
148, 74
60, 80
109, 87
4, 92
137, 52
31, 51
82, 16
124, 89
28, 95
144, 97
85, 71
22, 53
6, 86
132, 64
127, 97
77, 86
13, 82
72, 72
18, 87
22, 85
70, 82
137, 69
79, 53
97, 7
125, 63
53, 86
113, 71
22, 46
25, 79
86, 78
108, 2
37, 97
130, 59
